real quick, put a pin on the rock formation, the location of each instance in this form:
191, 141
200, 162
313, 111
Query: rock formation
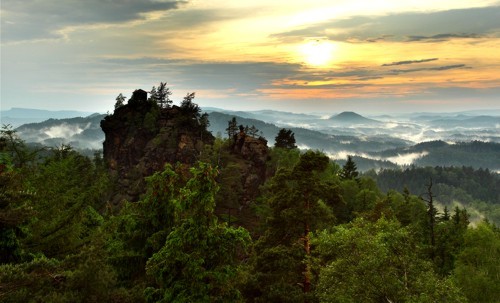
140, 138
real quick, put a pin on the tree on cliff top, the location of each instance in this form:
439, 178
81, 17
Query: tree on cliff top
161, 95
285, 139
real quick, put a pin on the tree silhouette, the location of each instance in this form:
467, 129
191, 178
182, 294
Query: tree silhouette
120, 100
232, 128
285, 139
161, 95
349, 170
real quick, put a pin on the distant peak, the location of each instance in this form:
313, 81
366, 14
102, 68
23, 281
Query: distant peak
352, 118
349, 114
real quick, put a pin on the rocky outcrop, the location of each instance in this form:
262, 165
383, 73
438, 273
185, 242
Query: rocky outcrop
140, 138
255, 152
242, 166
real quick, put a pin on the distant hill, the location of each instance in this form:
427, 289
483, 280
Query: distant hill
79, 132
467, 121
475, 154
307, 138
352, 118
17, 116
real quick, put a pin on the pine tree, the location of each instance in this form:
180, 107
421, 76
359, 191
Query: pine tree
161, 95
120, 101
285, 139
253, 131
189, 107
298, 201
198, 260
232, 128
349, 170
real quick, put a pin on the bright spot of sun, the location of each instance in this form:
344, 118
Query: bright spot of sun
318, 53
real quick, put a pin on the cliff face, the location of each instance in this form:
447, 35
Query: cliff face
140, 138
255, 152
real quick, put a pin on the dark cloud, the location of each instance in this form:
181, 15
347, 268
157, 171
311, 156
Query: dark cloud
32, 19
409, 62
419, 26
243, 77
144, 61
438, 68
442, 37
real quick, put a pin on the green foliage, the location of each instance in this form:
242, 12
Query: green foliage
141, 228
377, 262
120, 101
198, 262
151, 118
60, 243
282, 158
300, 200
161, 95
232, 128
349, 170
285, 139
13, 149
78, 187
476, 188
83, 277
478, 264
14, 212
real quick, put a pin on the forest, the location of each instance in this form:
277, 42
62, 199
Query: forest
312, 231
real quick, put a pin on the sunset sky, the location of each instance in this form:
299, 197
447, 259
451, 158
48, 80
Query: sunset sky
300, 56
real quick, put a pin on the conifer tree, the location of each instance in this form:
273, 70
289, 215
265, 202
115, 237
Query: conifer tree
299, 200
120, 101
198, 260
285, 139
232, 128
349, 170
161, 95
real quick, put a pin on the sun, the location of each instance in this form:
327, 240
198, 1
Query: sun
318, 53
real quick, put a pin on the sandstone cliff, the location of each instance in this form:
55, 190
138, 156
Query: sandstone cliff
140, 138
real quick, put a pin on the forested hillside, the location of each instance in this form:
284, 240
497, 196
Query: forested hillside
232, 220
477, 189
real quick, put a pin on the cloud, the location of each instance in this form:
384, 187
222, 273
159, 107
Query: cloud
438, 68
404, 27
409, 62
31, 19
238, 78
442, 37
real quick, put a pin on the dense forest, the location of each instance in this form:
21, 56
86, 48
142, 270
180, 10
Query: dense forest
298, 228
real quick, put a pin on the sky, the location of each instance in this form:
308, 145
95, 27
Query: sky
318, 56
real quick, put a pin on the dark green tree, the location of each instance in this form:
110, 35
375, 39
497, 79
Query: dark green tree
188, 106
232, 128
449, 241
198, 262
377, 262
120, 101
431, 215
478, 264
14, 150
68, 190
349, 170
299, 201
252, 131
14, 212
161, 95
285, 139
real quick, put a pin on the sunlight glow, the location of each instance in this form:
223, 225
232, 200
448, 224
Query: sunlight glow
318, 53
